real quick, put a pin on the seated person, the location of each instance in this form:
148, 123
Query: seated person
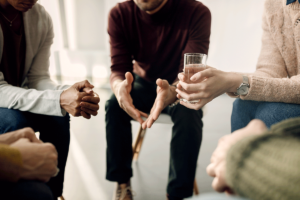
26, 163
257, 163
272, 92
149, 39
28, 97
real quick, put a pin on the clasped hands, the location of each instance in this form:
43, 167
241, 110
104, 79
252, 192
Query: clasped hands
80, 100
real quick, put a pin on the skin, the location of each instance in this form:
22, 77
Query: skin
217, 166
79, 99
206, 85
150, 6
39, 160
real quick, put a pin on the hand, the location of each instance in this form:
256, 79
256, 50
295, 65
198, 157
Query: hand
122, 91
71, 98
207, 85
90, 105
39, 160
217, 167
11, 137
164, 97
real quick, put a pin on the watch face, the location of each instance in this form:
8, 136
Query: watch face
243, 90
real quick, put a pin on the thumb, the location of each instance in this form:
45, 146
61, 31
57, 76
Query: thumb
129, 78
84, 84
200, 76
164, 84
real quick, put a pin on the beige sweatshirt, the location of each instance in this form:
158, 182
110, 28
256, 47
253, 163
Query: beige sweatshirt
277, 76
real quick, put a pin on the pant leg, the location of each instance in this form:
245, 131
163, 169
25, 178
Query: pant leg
11, 120
118, 130
185, 146
242, 113
25, 190
56, 130
272, 112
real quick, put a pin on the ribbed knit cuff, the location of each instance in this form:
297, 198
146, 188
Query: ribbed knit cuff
265, 167
10, 163
256, 89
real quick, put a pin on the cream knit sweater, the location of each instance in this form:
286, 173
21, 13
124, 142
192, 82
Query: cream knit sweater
277, 76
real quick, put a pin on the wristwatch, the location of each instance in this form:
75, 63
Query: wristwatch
244, 87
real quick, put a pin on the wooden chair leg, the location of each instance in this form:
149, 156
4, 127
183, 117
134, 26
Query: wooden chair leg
196, 190
137, 144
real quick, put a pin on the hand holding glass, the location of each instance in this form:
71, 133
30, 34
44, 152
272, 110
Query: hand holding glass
193, 63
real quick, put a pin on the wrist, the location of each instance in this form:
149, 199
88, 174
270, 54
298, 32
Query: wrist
116, 85
235, 80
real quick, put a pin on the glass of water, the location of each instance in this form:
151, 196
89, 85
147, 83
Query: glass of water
193, 63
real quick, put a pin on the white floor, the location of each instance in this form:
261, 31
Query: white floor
85, 173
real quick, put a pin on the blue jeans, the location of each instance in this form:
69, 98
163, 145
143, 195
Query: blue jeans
55, 130
269, 112
217, 197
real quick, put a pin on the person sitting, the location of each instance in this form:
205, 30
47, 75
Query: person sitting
257, 163
28, 97
148, 40
26, 163
270, 93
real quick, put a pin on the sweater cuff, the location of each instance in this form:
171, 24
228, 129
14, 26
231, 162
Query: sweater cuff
264, 167
10, 163
256, 89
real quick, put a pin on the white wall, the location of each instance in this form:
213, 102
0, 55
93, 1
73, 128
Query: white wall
235, 39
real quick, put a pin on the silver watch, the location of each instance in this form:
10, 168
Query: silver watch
244, 87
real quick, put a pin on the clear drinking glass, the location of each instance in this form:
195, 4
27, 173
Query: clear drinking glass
193, 63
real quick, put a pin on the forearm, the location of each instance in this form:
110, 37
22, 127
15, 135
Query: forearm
10, 163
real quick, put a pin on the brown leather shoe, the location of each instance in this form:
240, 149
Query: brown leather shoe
123, 192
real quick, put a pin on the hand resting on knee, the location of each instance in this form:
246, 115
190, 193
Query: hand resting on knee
39, 160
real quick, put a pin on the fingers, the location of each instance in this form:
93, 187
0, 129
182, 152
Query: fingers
210, 169
182, 77
191, 87
132, 111
196, 106
88, 111
88, 90
90, 106
91, 99
189, 97
85, 114
30, 134
200, 76
162, 83
129, 78
143, 114
83, 84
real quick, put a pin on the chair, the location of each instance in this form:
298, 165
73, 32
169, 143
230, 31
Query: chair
138, 141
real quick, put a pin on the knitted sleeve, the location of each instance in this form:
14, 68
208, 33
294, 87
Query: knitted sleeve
267, 167
10, 163
271, 82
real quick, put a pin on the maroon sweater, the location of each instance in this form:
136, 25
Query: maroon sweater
152, 46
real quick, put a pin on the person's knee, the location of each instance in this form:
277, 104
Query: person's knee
184, 114
112, 105
12, 120
32, 190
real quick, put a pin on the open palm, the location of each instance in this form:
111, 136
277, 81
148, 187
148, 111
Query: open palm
161, 101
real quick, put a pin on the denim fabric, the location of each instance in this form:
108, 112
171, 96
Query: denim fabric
55, 130
25, 190
217, 197
269, 112
291, 1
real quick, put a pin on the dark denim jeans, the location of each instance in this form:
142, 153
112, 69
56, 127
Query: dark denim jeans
185, 143
55, 130
25, 190
269, 112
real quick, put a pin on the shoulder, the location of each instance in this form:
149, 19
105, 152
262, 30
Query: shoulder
274, 6
197, 9
121, 8
39, 11
38, 16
